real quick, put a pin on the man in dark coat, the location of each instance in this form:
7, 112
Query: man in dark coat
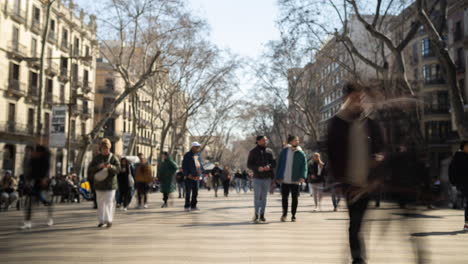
458, 173
262, 162
193, 169
38, 181
354, 143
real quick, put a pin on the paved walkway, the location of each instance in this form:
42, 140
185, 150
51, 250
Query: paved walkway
222, 233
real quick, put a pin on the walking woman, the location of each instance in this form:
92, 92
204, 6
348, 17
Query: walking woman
104, 167
226, 177
144, 176
317, 179
166, 173
125, 180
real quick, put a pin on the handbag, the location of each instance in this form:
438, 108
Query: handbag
103, 173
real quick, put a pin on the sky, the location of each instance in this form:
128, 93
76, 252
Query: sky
243, 26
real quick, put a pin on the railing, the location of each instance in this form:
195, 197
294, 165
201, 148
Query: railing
16, 87
17, 14
434, 81
52, 68
16, 128
32, 91
17, 48
64, 46
36, 26
87, 87
52, 37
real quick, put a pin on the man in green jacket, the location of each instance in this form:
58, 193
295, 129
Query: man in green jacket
166, 174
291, 171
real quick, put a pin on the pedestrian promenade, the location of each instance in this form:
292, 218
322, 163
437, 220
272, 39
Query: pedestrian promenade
223, 233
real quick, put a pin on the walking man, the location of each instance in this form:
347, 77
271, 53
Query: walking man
262, 162
354, 143
193, 169
291, 172
458, 173
216, 178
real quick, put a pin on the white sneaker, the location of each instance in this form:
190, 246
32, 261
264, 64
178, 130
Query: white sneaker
145, 206
50, 222
26, 225
125, 209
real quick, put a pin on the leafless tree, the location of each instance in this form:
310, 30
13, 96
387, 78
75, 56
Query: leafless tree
137, 37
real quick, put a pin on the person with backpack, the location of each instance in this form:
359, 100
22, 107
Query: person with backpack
458, 175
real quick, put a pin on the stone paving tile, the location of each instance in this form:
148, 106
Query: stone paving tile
223, 233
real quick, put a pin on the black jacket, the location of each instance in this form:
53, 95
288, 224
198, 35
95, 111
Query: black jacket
458, 170
217, 172
261, 157
313, 170
338, 145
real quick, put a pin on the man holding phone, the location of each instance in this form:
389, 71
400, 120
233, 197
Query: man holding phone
262, 162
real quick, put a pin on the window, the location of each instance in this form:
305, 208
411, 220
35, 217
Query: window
31, 121
458, 32
64, 38
432, 74
14, 72
52, 27
460, 60
33, 47
109, 84
87, 51
73, 129
49, 90
426, 48
83, 128
437, 131
75, 72
15, 38
11, 117
76, 47
46, 124
64, 65
33, 83
85, 78
414, 57
36, 15
62, 93
437, 102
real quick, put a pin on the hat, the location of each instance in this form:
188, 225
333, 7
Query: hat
196, 144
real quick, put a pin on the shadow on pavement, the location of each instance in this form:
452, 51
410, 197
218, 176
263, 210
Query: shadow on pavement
426, 234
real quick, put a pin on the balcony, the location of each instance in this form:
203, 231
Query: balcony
87, 87
17, 14
52, 69
15, 89
107, 90
52, 37
76, 111
460, 66
76, 83
63, 77
36, 26
15, 128
35, 64
32, 95
64, 46
48, 101
85, 114
16, 50
435, 81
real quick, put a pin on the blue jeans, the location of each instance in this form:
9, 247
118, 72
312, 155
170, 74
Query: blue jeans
241, 183
191, 191
336, 196
261, 189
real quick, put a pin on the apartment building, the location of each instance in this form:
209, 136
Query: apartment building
68, 80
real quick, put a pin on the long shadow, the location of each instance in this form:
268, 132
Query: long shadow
49, 230
416, 215
427, 234
245, 223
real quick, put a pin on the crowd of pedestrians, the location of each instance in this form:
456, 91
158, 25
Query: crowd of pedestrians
359, 168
